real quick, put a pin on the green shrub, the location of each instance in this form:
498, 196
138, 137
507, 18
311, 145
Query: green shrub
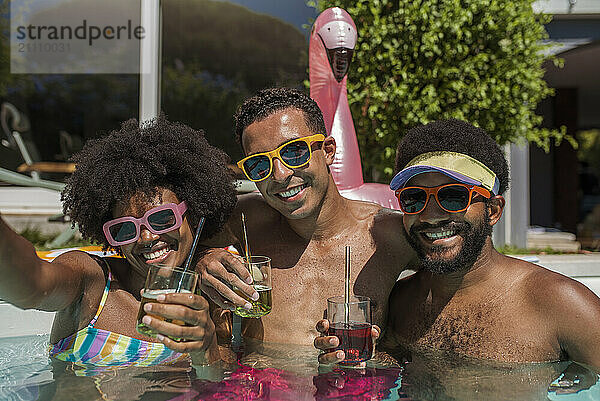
422, 60
40, 240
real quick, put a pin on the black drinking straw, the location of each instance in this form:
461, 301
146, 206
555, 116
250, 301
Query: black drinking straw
188, 261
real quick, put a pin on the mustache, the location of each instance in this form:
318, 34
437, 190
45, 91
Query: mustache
449, 225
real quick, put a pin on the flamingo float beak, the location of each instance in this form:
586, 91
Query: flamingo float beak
339, 60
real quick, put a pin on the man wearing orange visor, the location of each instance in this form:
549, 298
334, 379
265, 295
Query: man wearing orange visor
467, 298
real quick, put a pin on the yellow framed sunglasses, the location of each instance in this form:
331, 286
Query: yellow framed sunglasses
293, 154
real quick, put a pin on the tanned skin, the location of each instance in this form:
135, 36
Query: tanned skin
305, 236
500, 308
73, 284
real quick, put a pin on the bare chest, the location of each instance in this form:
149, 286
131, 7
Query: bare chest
301, 286
480, 330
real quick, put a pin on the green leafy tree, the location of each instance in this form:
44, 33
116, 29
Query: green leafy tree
422, 60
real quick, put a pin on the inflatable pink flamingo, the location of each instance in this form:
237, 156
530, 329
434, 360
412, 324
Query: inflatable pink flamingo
332, 42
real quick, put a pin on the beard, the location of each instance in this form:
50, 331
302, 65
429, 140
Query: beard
473, 235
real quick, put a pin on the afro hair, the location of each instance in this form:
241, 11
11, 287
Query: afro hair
139, 160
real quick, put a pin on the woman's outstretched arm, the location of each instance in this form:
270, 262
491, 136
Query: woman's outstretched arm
29, 282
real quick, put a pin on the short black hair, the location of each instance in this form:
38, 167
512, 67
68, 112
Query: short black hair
138, 159
454, 136
271, 100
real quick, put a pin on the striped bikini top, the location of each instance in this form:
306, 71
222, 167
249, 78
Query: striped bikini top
97, 348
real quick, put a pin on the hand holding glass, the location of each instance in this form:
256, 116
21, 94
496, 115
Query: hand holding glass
351, 323
163, 280
260, 270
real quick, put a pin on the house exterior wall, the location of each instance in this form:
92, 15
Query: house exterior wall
564, 7
554, 189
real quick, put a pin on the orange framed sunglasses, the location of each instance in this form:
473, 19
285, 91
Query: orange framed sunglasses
452, 198
293, 154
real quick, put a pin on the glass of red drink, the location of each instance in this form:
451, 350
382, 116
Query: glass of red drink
351, 323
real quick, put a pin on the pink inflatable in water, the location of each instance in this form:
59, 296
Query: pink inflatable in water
332, 42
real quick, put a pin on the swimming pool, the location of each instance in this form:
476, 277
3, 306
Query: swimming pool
280, 372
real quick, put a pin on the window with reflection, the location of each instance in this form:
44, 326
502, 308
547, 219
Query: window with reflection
215, 54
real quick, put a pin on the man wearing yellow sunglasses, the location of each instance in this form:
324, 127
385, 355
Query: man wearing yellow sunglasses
300, 220
467, 299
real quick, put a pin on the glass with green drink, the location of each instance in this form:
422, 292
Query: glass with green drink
259, 268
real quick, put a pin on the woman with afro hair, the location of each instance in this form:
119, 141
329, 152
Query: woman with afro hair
135, 171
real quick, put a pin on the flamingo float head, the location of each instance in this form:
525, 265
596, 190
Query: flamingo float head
337, 32
332, 42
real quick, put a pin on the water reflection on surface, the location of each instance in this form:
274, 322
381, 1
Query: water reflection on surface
429, 377
281, 372
435, 375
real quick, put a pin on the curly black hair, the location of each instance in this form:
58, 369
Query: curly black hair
271, 100
138, 159
454, 136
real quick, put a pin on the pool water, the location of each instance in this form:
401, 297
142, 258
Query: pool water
282, 372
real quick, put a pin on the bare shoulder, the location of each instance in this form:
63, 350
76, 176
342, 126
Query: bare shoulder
570, 309
370, 209
388, 219
553, 293
542, 281
81, 263
256, 210
388, 231
360, 211
385, 224
260, 216
251, 199
86, 292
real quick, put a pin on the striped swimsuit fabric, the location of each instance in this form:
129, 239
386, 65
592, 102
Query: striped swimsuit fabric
102, 348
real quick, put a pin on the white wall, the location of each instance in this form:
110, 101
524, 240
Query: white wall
512, 227
567, 7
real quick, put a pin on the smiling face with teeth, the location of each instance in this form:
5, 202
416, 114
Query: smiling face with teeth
447, 242
170, 248
295, 192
